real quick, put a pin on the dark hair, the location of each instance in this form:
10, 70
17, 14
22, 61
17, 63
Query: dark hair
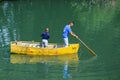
71, 22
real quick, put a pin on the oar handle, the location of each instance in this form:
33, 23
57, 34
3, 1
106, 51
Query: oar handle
86, 46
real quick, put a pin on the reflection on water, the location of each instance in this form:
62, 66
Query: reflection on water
66, 61
7, 22
15, 58
66, 73
93, 14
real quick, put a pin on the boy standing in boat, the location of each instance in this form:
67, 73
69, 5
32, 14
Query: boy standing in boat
66, 31
45, 36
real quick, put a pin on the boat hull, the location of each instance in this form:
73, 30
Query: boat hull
31, 48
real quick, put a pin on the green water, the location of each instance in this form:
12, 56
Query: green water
97, 22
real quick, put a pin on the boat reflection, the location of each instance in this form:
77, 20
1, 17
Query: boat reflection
65, 61
20, 59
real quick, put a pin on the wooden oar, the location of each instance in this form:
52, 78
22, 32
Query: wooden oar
87, 47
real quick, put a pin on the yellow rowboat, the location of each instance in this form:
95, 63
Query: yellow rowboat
33, 48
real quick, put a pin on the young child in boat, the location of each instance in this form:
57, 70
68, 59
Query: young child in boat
45, 36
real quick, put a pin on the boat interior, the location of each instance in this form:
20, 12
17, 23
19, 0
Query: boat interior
36, 44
